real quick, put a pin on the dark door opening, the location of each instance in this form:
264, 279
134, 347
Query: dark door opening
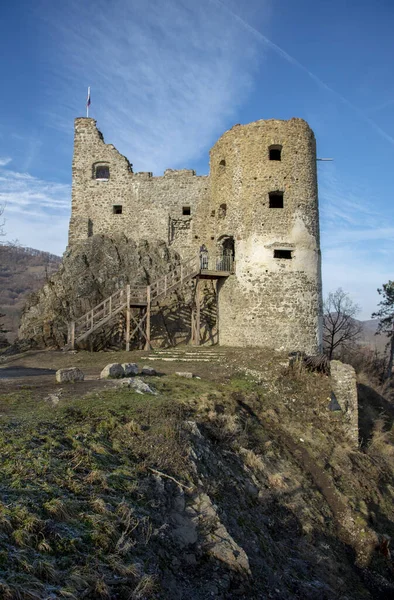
226, 252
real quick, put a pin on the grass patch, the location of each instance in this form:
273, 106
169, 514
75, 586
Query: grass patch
72, 493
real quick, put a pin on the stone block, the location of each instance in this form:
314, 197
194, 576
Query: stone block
344, 386
112, 371
148, 371
69, 374
130, 369
186, 374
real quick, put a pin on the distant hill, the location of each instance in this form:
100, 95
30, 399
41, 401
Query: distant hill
369, 337
22, 271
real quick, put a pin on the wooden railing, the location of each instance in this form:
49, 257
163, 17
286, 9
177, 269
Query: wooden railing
103, 312
144, 296
179, 275
217, 263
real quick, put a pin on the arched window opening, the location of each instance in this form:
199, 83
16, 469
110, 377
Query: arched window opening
222, 163
275, 152
276, 199
226, 246
101, 172
222, 211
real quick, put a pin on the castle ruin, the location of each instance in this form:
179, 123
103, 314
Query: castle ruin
258, 204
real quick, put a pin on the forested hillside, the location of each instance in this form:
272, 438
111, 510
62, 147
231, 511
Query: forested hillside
22, 271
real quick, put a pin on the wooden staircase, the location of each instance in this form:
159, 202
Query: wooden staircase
137, 302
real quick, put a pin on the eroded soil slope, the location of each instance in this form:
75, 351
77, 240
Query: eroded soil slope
240, 484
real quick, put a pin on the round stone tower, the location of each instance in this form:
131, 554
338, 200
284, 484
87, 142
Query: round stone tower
264, 209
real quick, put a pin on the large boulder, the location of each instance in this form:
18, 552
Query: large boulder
91, 271
130, 369
148, 371
69, 374
112, 371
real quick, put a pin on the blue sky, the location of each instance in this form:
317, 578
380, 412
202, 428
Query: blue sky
168, 77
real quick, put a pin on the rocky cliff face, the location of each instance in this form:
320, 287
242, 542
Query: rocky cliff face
90, 272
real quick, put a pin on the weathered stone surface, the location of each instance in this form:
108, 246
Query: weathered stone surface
92, 270
186, 374
222, 545
137, 384
130, 369
69, 374
112, 371
148, 371
344, 386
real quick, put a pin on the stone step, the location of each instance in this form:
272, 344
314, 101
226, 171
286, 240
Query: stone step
167, 353
178, 359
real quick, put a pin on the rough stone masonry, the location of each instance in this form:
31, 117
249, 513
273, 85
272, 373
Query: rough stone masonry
259, 203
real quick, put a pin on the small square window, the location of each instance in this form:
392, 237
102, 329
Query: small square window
117, 209
282, 254
186, 211
276, 199
275, 152
102, 172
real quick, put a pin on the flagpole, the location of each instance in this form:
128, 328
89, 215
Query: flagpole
87, 103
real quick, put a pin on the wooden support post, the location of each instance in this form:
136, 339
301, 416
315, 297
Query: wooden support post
127, 317
147, 325
217, 312
192, 323
72, 335
198, 307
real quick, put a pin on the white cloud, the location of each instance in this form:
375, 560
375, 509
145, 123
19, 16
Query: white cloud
5, 161
166, 79
36, 211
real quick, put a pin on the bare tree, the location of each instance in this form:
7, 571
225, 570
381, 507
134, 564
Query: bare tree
340, 329
386, 320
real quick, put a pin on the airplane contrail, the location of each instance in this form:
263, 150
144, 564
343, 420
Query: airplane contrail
290, 59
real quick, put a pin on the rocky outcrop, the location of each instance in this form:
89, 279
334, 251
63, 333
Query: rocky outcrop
90, 272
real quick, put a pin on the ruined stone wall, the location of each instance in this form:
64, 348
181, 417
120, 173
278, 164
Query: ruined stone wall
270, 301
152, 207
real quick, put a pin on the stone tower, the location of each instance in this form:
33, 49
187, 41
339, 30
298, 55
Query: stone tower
259, 203
264, 197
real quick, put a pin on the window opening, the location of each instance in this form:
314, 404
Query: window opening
186, 211
282, 254
117, 209
102, 172
222, 211
226, 255
222, 163
275, 152
276, 199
